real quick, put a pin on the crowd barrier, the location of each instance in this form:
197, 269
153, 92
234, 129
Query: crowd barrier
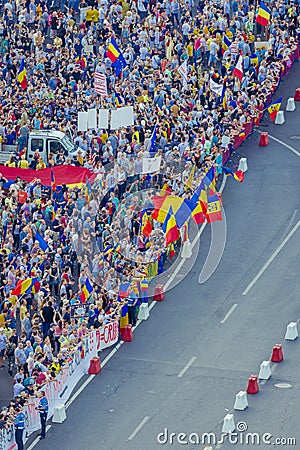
59, 391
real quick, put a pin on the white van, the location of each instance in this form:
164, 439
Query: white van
46, 141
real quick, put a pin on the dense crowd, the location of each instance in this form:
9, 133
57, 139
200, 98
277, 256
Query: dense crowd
63, 43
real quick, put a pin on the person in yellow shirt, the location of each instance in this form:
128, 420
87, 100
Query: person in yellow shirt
136, 136
95, 16
104, 137
11, 162
89, 16
190, 51
40, 165
125, 8
23, 163
2, 320
80, 157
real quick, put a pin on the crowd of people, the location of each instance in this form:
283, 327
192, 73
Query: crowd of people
98, 236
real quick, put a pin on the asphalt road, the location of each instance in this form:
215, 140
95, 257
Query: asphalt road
140, 387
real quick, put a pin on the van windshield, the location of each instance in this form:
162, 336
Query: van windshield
68, 144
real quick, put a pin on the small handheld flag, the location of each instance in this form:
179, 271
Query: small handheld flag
21, 76
42, 243
238, 70
238, 175
274, 108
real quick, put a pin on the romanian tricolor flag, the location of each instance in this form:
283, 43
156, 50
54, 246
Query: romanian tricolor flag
200, 195
242, 134
146, 226
189, 181
124, 290
171, 250
86, 291
53, 183
88, 190
198, 213
210, 180
165, 190
22, 286
226, 43
35, 285
163, 204
238, 175
144, 284
115, 55
224, 96
274, 108
214, 212
107, 250
263, 15
170, 228
21, 76
117, 247
124, 318
254, 59
118, 100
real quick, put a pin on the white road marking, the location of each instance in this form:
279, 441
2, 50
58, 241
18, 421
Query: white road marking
37, 440
187, 366
291, 220
283, 143
138, 428
229, 312
116, 348
271, 259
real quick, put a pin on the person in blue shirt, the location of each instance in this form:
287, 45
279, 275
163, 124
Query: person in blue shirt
43, 410
19, 422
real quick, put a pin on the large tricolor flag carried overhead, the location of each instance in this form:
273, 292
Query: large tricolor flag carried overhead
21, 76
263, 15
238, 70
115, 55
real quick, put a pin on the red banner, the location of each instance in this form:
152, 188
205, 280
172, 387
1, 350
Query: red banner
63, 175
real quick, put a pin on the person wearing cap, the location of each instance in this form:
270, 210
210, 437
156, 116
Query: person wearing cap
19, 423
42, 408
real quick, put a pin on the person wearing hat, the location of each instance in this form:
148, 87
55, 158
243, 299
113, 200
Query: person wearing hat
19, 423
42, 408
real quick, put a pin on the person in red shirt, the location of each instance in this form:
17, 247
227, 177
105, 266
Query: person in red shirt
22, 197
